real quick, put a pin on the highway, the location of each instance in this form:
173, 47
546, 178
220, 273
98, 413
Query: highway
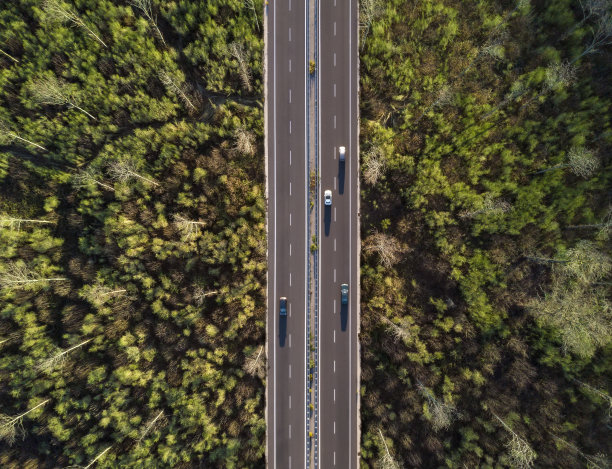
339, 245
286, 122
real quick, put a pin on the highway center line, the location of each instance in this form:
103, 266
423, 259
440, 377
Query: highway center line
334, 28
290, 401
289, 371
289, 34
335, 180
289, 5
334, 244
334, 394
334, 92
334, 276
334, 339
289, 157
289, 188
334, 213
334, 121
289, 278
289, 340
334, 310
289, 249
334, 367
289, 127
289, 431
289, 65
334, 59
289, 219
334, 427
289, 96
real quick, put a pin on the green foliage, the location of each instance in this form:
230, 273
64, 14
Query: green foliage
156, 225
495, 130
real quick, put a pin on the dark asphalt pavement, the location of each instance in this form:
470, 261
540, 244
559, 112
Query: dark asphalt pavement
339, 245
287, 243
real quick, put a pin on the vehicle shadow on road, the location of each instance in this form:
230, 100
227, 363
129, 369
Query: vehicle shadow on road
343, 316
341, 172
327, 218
282, 330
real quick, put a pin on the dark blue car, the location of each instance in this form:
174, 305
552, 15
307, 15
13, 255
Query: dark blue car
344, 293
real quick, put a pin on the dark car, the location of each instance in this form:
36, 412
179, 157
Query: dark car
283, 306
344, 293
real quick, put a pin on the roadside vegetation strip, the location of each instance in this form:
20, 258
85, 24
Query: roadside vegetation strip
133, 235
485, 147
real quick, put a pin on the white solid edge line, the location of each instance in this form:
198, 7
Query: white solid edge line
306, 229
318, 143
350, 224
274, 288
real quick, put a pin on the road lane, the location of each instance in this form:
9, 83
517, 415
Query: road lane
338, 387
287, 244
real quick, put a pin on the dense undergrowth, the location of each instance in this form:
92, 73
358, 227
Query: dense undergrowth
486, 318
132, 246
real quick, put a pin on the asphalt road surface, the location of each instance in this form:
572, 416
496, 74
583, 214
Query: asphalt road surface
287, 243
339, 237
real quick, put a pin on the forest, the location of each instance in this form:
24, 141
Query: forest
486, 314
132, 234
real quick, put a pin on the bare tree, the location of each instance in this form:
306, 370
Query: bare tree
601, 394
8, 338
7, 136
152, 424
605, 227
200, 294
442, 414
93, 461
597, 461
189, 228
15, 223
559, 75
9, 56
245, 141
517, 90
602, 36
11, 427
520, 453
580, 160
576, 303
374, 165
369, 11
388, 248
51, 91
125, 170
58, 359
255, 365
386, 461
147, 10
586, 263
88, 176
401, 331
444, 97
18, 275
590, 9
240, 54
581, 316
56, 11
490, 206
177, 88
99, 294
250, 4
